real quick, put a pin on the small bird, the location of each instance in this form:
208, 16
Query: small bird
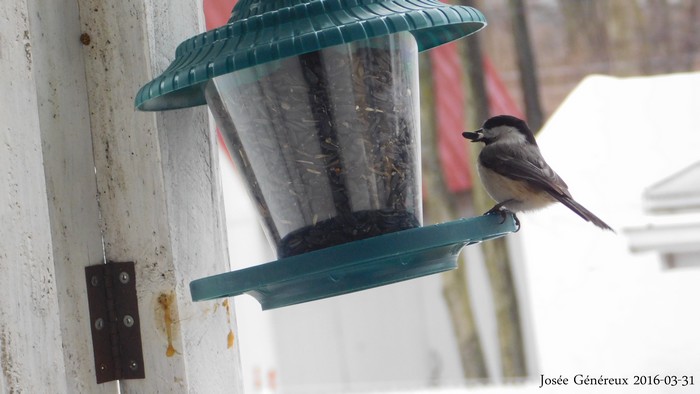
515, 174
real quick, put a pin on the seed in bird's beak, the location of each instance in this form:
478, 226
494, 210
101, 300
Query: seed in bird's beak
474, 136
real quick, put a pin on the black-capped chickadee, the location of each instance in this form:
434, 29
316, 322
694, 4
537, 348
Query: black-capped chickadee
514, 172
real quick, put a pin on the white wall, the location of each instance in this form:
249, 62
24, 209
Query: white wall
597, 308
248, 247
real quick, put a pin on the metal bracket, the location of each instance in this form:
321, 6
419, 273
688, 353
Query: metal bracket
114, 319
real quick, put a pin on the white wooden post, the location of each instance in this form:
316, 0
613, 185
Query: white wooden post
159, 193
30, 331
70, 71
64, 115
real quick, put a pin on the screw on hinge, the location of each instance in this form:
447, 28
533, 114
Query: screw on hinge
124, 277
128, 321
99, 323
133, 365
95, 281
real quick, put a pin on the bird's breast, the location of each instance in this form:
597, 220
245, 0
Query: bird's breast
501, 188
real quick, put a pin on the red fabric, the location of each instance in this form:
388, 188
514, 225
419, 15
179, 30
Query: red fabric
217, 12
450, 116
500, 102
450, 111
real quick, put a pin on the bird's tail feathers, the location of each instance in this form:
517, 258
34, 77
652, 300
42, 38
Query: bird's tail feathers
583, 212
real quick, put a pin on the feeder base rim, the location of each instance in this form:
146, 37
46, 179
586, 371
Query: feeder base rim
354, 266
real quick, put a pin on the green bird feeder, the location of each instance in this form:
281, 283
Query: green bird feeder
318, 103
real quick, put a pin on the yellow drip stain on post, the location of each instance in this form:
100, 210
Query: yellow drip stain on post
166, 301
230, 338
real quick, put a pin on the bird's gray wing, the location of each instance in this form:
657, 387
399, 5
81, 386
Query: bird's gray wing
524, 163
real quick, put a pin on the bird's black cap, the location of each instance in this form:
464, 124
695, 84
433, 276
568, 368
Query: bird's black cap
512, 121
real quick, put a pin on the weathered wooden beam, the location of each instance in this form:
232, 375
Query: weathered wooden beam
64, 116
159, 194
70, 134
31, 356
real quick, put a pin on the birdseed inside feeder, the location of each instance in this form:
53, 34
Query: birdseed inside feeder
327, 141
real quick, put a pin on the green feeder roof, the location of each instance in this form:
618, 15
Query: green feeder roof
261, 31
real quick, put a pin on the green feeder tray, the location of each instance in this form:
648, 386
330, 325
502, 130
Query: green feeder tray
355, 266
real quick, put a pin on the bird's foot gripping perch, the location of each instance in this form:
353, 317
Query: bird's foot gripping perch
503, 212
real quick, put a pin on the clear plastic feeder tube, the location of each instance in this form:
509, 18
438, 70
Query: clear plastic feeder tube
328, 141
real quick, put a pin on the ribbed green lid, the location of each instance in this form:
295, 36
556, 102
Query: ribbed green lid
261, 31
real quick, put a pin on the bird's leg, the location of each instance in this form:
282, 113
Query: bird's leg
501, 210
498, 208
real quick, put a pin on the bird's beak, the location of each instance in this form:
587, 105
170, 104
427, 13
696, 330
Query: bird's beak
474, 136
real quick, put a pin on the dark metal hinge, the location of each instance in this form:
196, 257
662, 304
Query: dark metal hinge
114, 317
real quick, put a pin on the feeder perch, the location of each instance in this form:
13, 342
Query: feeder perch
318, 103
